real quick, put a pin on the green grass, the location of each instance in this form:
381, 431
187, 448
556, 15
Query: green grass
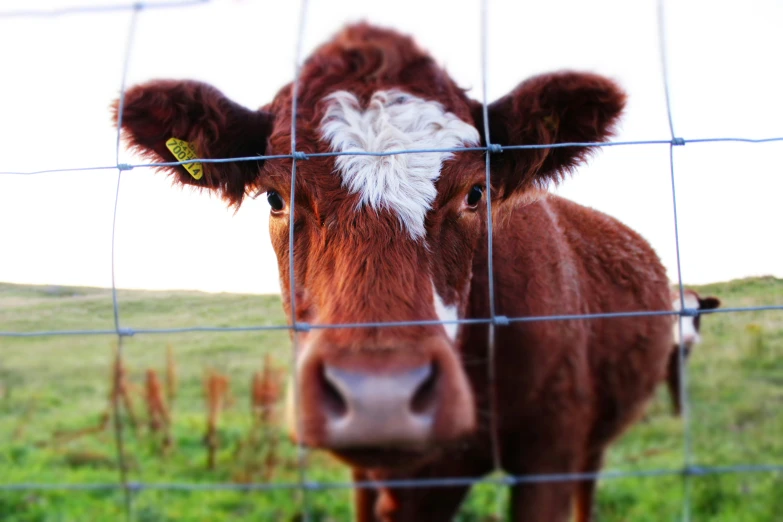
60, 383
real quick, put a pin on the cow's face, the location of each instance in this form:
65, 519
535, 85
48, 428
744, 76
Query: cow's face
377, 239
687, 329
380, 239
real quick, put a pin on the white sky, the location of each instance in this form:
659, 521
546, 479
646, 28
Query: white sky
60, 75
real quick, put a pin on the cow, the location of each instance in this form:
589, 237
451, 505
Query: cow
403, 238
690, 330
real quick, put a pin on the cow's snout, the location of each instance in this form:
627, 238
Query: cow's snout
381, 398
388, 409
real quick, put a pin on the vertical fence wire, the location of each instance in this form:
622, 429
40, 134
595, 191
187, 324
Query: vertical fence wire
301, 450
682, 368
490, 229
491, 327
115, 392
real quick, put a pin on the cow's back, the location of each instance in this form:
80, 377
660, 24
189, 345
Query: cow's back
568, 383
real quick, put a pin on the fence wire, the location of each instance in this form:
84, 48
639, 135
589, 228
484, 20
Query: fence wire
304, 326
122, 463
95, 9
495, 148
301, 449
681, 366
303, 485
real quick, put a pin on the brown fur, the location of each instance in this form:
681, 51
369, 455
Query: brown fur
565, 389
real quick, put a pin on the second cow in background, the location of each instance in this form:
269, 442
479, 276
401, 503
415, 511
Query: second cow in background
689, 333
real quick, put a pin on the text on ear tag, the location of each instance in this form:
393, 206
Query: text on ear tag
184, 151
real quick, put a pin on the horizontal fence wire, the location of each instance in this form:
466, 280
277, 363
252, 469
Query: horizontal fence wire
508, 480
302, 326
493, 149
96, 9
687, 471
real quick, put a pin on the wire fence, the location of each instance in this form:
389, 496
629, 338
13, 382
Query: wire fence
131, 488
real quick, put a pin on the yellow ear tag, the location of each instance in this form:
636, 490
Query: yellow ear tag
184, 151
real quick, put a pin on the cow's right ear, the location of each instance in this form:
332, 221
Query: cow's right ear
210, 125
563, 107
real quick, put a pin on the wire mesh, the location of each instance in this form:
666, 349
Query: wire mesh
303, 485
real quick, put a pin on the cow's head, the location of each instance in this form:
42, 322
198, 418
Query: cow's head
377, 239
691, 324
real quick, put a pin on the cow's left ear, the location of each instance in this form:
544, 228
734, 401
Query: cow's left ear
708, 303
178, 120
562, 107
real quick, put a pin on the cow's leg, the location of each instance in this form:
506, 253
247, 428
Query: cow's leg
420, 504
430, 503
554, 451
673, 380
585, 506
365, 499
549, 501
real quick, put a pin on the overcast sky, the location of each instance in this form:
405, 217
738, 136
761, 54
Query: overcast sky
61, 73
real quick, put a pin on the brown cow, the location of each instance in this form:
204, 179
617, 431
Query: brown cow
404, 238
691, 329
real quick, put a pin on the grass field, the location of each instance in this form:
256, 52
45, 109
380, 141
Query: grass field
51, 387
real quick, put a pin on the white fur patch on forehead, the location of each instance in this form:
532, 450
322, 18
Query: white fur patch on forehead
393, 120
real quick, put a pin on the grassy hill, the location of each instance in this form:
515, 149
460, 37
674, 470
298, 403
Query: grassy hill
54, 391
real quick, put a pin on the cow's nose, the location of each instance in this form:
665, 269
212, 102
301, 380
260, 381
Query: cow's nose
393, 409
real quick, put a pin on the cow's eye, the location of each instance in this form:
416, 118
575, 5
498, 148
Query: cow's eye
275, 201
474, 196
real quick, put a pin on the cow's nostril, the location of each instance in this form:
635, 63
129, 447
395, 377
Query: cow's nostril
333, 401
425, 397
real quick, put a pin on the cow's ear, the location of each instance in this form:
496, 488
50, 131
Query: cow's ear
709, 303
565, 107
169, 120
